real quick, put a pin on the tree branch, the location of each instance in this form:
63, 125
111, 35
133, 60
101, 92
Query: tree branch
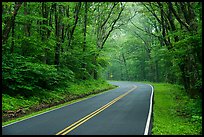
177, 17
7, 28
112, 27
143, 30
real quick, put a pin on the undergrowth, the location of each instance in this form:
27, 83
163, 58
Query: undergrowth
72, 91
175, 112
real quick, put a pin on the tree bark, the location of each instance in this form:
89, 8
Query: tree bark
84, 43
178, 18
126, 68
9, 21
26, 26
76, 16
13, 34
57, 48
112, 27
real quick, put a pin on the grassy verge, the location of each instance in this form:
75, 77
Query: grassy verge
18, 107
174, 112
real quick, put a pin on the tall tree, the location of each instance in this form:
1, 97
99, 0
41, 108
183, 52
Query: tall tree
84, 42
10, 21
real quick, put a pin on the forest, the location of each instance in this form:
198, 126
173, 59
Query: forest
48, 46
163, 43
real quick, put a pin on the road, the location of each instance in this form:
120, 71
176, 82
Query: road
125, 110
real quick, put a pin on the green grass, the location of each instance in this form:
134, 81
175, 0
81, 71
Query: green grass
174, 112
80, 90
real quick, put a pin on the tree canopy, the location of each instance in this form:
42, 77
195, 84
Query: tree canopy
161, 43
47, 44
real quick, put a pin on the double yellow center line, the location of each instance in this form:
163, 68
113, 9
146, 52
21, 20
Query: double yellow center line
84, 119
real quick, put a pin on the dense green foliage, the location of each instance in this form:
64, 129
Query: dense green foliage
175, 113
74, 90
24, 77
55, 50
51, 49
43, 99
49, 44
162, 43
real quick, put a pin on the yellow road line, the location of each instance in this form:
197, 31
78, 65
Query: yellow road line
86, 116
81, 121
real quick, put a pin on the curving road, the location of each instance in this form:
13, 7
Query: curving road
125, 110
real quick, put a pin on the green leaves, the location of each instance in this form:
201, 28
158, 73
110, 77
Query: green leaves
30, 17
22, 75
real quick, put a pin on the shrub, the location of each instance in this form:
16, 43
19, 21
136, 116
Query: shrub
24, 76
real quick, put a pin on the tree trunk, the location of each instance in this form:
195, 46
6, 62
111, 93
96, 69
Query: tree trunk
26, 26
57, 48
43, 36
84, 44
126, 69
13, 34
9, 21
95, 73
76, 16
157, 70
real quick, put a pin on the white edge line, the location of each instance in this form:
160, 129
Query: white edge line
58, 108
150, 112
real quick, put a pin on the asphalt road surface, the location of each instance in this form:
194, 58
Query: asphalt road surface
125, 110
